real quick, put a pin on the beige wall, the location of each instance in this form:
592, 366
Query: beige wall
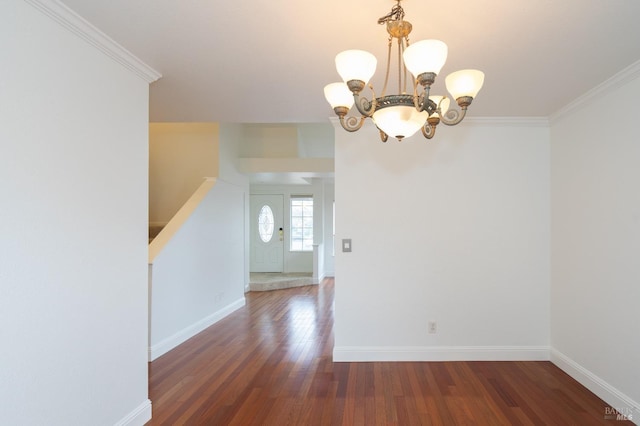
269, 141
180, 156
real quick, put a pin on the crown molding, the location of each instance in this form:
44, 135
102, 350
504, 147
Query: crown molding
507, 121
79, 26
618, 80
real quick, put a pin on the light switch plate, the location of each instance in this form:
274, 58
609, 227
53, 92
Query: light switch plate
346, 245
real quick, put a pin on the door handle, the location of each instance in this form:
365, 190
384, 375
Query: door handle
281, 233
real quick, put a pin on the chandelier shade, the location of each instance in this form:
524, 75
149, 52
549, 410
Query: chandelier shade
425, 56
338, 95
402, 114
401, 121
357, 65
464, 83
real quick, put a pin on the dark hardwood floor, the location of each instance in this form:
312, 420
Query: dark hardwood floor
270, 364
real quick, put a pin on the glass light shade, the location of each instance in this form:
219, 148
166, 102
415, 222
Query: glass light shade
399, 121
444, 105
425, 56
356, 65
464, 83
338, 94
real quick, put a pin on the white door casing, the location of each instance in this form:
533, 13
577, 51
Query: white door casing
267, 256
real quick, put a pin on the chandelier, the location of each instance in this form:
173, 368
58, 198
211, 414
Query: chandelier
401, 115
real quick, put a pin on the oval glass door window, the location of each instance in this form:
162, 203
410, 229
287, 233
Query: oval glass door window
265, 223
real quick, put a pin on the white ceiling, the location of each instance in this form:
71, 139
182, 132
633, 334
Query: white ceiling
268, 61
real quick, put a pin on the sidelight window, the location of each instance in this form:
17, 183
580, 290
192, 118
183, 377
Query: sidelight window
301, 223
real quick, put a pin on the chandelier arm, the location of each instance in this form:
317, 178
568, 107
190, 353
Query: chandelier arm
421, 101
351, 124
453, 116
428, 130
364, 105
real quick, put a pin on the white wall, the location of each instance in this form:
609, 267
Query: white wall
595, 209
454, 230
198, 278
329, 196
73, 251
180, 156
315, 140
230, 142
230, 145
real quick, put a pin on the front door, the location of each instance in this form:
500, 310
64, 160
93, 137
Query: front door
267, 233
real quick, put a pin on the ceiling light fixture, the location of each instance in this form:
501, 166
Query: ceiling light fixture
401, 115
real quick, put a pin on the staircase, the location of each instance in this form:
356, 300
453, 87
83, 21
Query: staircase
154, 230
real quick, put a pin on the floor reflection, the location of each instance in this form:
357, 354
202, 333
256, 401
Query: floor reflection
302, 320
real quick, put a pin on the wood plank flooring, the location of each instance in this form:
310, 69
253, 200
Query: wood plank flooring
270, 363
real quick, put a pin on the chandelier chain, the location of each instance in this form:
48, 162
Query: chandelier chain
396, 14
400, 66
386, 76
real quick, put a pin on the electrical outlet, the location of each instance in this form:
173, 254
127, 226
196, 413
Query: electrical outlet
432, 326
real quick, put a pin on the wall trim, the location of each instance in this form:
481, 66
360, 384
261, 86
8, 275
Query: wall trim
618, 80
79, 26
319, 278
181, 336
439, 353
595, 384
507, 121
138, 417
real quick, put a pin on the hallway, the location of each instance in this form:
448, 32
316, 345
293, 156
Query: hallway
270, 363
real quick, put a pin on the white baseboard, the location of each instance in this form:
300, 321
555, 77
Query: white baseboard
440, 353
138, 417
595, 384
171, 342
319, 279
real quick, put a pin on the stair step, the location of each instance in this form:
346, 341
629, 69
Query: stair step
269, 281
